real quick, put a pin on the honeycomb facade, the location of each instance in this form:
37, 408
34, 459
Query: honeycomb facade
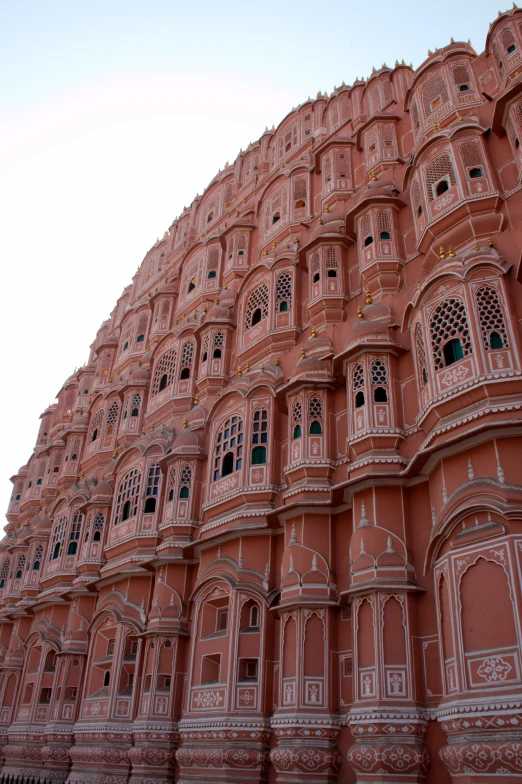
271, 531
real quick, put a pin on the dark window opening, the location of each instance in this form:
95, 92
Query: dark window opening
315, 428
140, 338
134, 412
163, 382
2, 583
96, 537
298, 431
359, 399
36, 566
17, 497
463, 88
511, 49
385, 235
317, 277
332, 273
56, 551
107, 678
216, 354
453, 351
424, 376
241, 253
495, 340
171, 494
192, 284
283, 307
517, 143
368, 241
259, 455
150, 506
210, 217
125, 513
300, 203
212, 274
256, 316
476, 172
126, 345
204, 357
38, 481
73, 548
441, 187
380, 395
276, 217
184, 492
18, 574
94, 434
74, 456
419, 210
228, 464
185, 373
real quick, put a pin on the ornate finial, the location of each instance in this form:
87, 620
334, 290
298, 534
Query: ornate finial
429, 52
452, 40
477, 246
262, 368
115, 454
278, 361
293, 538
185, 423
265, 252
166, 234
359, 312
176, 322
247, 367
373, 177
225, 286
442, 255
327, 208
471, 473
274, 245
303, 354
319, 222
451, 253
500, 472
490, 243
216, 301
196, 400
396, 63
418, 283
239, 371
314, 333
369, 300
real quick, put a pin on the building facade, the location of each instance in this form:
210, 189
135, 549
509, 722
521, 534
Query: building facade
271, 531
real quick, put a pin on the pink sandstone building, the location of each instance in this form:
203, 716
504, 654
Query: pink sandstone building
271, 531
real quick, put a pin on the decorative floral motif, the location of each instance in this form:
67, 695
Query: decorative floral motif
494, 669
208, 699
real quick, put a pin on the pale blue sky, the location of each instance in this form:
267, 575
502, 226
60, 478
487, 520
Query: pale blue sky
114, 114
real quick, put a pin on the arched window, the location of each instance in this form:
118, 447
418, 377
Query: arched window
128, 496
20, 567
315, 415
187, 355
192, 285
37, 557
284, 292
228, 452
141, 328
172, 484
380, 395
434, 95
4, 571
379, 372
297, 419
331, 262
212, 262
164, 371
112, 417
185, 481
491, 317
315, 269
107, 678
384, 224
259, 435
96, 424
450, 337
365, 230
358, 384
99, 521
359, 399
254, 616
440, 176
57, 538
135, 405
257, 306
421, 355
74, 535
152, 489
